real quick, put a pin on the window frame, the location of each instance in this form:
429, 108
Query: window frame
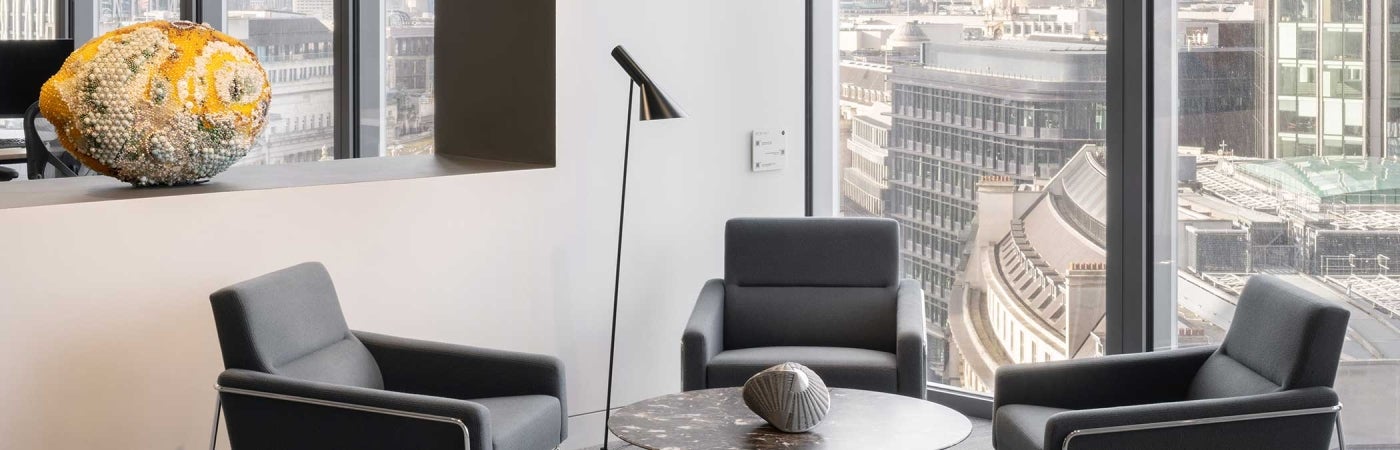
357, 92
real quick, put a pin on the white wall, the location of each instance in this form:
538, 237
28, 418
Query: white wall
108, 341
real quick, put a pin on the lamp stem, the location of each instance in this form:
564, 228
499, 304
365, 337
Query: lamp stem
617, 270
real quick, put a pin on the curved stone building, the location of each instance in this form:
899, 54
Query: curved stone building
1034, 288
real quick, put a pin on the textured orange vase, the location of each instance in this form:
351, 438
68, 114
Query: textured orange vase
159, 103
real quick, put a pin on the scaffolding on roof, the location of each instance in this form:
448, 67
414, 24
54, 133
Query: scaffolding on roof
1366, 220
1228, 282
1380, 290
1235, 191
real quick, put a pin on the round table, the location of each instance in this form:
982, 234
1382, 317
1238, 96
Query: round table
717, 419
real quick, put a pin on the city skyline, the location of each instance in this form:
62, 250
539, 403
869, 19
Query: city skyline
981, 131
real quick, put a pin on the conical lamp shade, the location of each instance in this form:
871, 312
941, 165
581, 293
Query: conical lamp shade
655, 104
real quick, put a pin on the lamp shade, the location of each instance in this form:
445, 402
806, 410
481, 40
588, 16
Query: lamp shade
655, 104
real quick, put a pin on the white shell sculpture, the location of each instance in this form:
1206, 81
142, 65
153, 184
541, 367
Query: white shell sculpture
789, 396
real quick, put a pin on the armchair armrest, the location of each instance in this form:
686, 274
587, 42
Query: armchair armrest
462, 372
277, 411
911, 341
1281, 420
1108, 381
704, 335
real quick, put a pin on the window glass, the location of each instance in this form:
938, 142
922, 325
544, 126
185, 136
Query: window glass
114, 14
1278, 173
28, 19
294, 40
408, 68
22, 20
980, 129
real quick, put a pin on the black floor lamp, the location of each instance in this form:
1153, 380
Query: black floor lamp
655, 106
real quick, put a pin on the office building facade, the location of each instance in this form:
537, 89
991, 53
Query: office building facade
1017, 109
1324, 77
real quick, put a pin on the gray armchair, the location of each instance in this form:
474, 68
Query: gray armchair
1267, 386
821, 292
298, 377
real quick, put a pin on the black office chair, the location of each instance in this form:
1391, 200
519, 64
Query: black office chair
39, 157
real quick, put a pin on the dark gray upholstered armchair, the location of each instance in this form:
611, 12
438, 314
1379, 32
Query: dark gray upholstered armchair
1267, 386
821, 292
298, 377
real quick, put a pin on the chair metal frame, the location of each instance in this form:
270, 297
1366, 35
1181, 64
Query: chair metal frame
218, 408
1341, 440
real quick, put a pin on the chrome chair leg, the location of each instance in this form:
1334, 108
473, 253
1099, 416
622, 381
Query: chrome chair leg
1341, 438
214, 429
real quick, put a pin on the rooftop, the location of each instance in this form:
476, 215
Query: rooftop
1038, 46
1236, 191
1327, 178
1031, 258
908, 35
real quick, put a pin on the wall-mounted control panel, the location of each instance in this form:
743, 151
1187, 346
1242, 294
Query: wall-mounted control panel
769, 150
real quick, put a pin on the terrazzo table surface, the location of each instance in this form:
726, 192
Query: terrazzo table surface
716, 419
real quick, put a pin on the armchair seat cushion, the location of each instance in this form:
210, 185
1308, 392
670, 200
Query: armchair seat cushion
842, 367
525, 422
1022, 427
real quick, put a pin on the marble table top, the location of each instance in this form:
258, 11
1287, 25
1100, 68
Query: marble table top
716, 419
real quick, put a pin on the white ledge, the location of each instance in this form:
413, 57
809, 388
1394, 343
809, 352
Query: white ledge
62, 191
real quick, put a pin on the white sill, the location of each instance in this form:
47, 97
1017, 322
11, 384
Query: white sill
62, 191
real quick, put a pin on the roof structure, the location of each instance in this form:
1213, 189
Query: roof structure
1328, 179
907, 35
1031, 257
1383, 291
286, 29
1235, 191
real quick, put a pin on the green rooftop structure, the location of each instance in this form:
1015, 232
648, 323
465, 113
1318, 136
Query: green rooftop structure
1351, 180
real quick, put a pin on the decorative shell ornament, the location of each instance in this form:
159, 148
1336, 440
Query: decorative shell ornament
159, 103
789, 396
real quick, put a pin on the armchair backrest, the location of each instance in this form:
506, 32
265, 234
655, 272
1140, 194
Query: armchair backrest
829, 282
289, 323
1282, 337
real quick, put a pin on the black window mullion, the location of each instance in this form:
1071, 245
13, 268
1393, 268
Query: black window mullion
189, 10
347, 102
1130, 177
63, 12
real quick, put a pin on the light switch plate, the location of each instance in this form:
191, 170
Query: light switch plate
769, 150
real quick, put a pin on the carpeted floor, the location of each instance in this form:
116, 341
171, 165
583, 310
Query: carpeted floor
981, 438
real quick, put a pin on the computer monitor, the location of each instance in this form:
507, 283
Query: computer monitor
24, 67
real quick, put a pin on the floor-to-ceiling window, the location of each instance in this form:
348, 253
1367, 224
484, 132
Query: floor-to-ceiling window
1283, 158
980, 128
1278, 159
